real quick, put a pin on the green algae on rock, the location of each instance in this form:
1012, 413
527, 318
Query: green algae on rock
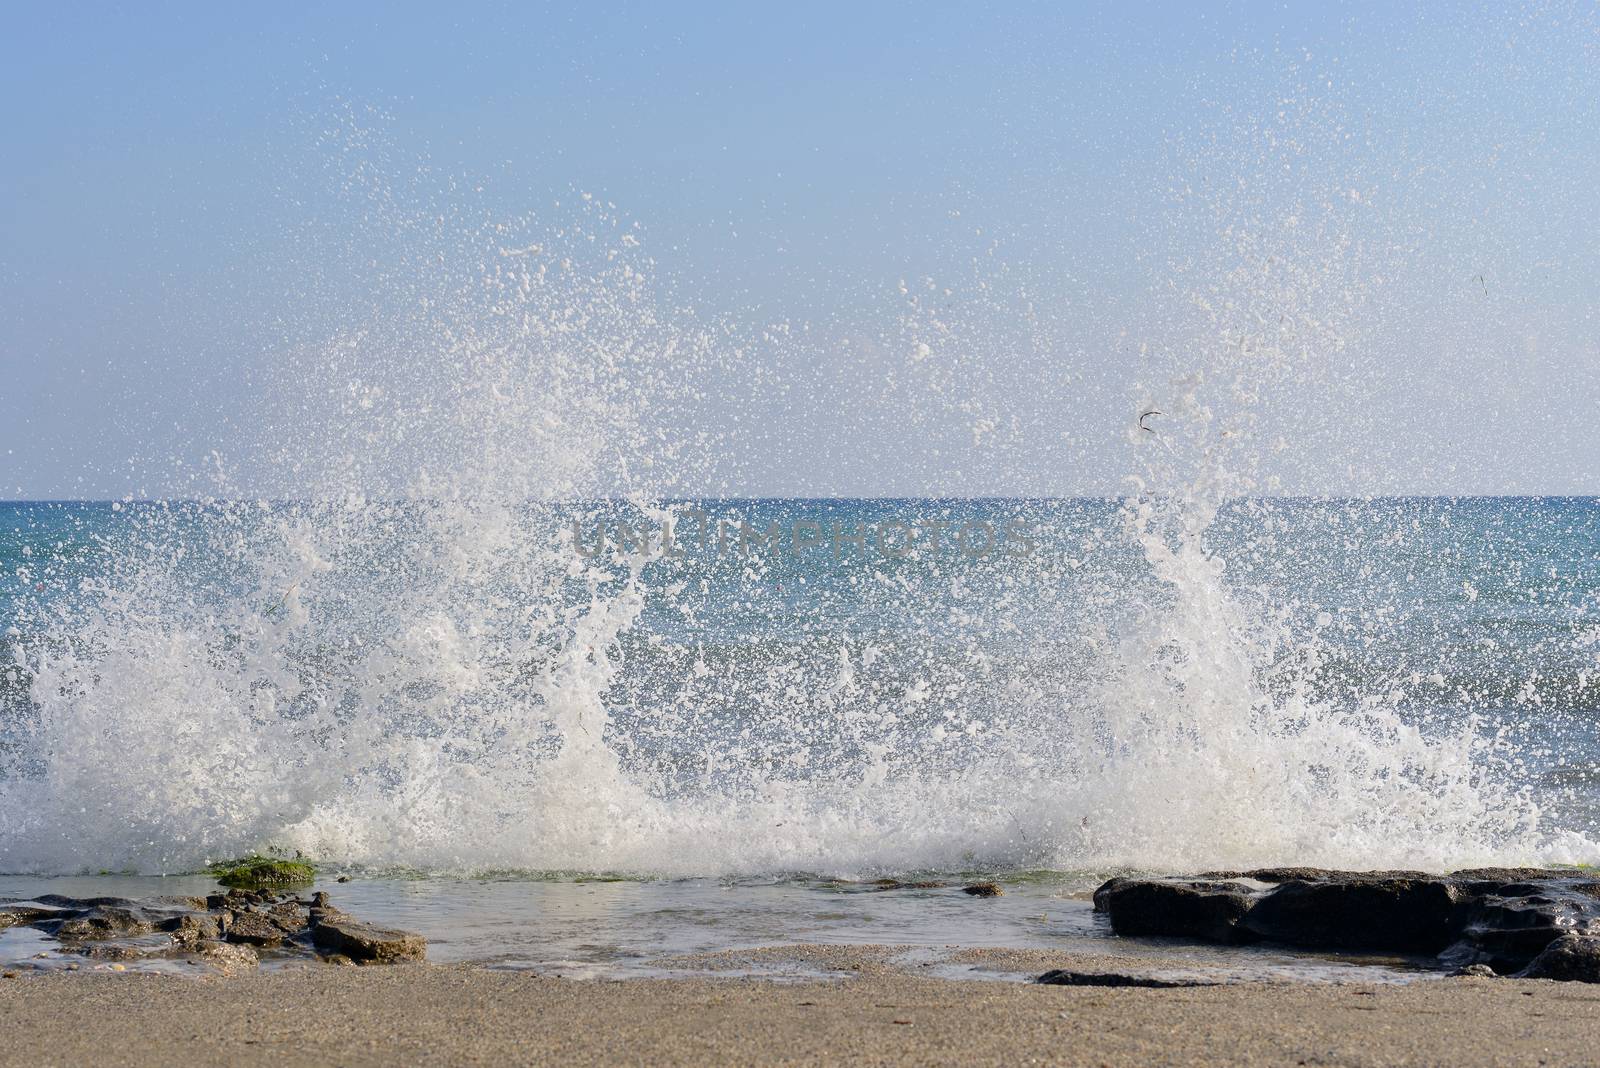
260, 873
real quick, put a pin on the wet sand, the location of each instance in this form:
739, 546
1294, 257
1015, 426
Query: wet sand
881, 1011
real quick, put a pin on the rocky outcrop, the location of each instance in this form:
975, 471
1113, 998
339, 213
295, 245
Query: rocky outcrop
1503, 918
228, 931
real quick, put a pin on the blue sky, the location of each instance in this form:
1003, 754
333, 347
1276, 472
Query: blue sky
161, 174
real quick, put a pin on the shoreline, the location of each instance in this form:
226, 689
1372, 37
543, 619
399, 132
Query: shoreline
885, 1012
1452, 969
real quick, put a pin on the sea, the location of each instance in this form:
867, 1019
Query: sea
592, 736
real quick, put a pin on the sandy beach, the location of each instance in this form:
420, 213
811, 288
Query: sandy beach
883, 1013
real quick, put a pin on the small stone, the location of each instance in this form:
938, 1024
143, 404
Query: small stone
365, 942
1477, 971
8, 975
983, 890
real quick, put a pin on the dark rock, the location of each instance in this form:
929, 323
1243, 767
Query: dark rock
253, 928
1572, 958
1506, 925
1063, 977
983, 890
1209, 911
334, 932
1502, 918
1394, 913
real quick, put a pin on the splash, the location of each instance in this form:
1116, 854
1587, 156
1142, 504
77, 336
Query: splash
399, 660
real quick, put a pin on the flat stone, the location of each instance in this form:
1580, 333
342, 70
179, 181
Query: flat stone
334, 932
1066, 977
